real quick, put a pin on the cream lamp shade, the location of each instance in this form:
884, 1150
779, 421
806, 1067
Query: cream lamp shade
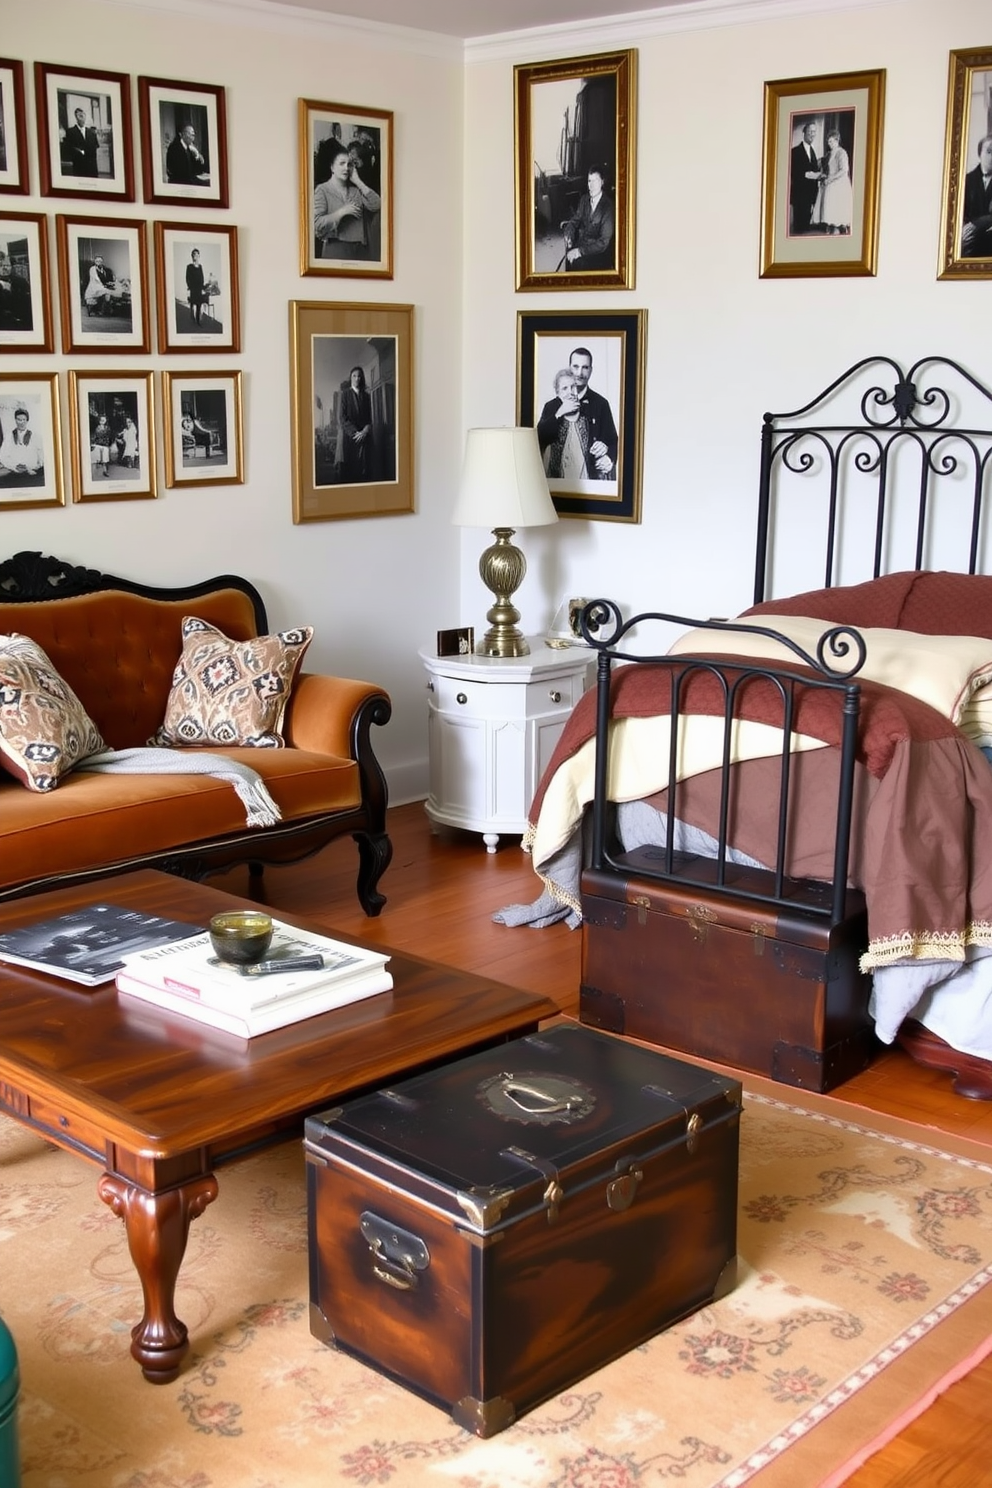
503, 487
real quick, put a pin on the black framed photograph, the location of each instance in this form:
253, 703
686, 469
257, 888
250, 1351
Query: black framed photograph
346, 190
30, 441
196, 269
112, 430
459, 641
183, 130
580, 384
821, 170
574, 146
966, 219
13, 131
25, 294
351, 388
202, 429
84, 132
103, 274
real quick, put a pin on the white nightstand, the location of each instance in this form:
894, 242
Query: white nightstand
493, 723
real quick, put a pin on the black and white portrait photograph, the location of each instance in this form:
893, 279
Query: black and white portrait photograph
113, 435
203, 434
30, 452
183, 142
13, 137
25, 297
581, 387
197, 272
575, 173
352, 409
966, 238
84, 132
346, 190
103, 269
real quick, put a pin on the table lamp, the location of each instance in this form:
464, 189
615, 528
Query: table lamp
503, 486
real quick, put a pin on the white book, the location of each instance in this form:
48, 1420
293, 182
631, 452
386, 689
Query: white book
190, 968
248, 1021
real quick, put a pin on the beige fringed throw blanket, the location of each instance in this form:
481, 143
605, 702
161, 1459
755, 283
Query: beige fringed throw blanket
262, 810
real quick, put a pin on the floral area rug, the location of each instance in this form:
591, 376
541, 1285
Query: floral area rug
865, 1258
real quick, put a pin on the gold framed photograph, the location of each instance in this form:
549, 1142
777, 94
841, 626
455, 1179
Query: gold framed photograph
351, 372
820, 175
112, 432
202, 428
580, 384
574, 128
183, 129
13, 132
84, 132
346, 190
30, 441
966, 236
196, 269
25, 294
103, 271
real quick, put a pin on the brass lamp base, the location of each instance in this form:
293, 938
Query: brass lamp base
502, 568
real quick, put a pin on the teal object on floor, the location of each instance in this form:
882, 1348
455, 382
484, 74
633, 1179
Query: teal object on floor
10, 1385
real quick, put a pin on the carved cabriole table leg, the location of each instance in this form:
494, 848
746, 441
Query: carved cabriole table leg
157, 1227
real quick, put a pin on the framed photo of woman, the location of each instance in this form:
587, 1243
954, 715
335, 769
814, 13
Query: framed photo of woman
13, 134
30, 441
183, 128
574, 146
346, 190
196, 268
202, 432
112, 430
820, 175
966, 235
25, 296
103, 273
84, 132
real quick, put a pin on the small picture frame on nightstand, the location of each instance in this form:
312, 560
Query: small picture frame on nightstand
456, 642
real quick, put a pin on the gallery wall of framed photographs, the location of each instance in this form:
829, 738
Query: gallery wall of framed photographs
115, 279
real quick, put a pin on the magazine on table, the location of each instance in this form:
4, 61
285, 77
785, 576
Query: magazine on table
90, 945
248, 1021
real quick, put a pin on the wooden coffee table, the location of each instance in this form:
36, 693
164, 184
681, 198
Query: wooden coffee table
159, 1101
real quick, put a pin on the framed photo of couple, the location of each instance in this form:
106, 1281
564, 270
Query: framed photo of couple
346, 190
574, 151
820, 175
580, 383
966, 235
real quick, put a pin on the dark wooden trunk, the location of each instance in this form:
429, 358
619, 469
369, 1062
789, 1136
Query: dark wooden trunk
752, 985
493, 1231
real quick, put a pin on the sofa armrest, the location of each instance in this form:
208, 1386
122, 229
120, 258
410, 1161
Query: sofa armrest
335, 715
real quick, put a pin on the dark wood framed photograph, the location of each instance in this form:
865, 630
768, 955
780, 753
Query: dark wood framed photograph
183, 130
202, 430
574, 128
351, 380
112, 431
196, 269
966, 218
103, 274
30, 441
820, 177
457, 642
13, 130
84, 132
580, 383
25, 293
346, 189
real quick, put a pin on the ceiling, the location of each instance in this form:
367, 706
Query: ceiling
471, 18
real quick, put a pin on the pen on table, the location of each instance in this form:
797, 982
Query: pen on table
294, 963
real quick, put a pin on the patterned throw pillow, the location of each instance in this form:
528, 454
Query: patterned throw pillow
231, 692
44, 728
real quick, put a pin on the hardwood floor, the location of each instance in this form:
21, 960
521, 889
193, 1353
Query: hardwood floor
441, 892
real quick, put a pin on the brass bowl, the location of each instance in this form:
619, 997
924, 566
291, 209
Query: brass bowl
241, 936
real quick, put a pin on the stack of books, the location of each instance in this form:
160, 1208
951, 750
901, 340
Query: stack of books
186, 977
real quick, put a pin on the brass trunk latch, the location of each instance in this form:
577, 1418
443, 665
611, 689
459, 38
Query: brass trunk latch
620, 1191
397, 1255
700, 917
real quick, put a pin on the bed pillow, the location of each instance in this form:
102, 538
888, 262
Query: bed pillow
944, 671
942, 603
877, 602
44, 728
976, 716
228, 692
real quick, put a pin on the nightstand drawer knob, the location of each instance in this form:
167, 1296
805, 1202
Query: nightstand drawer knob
461, 698
430, 687
554, 696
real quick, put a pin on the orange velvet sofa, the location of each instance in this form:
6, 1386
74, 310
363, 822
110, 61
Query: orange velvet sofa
116, 643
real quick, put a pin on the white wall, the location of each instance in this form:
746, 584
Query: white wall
723, 345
